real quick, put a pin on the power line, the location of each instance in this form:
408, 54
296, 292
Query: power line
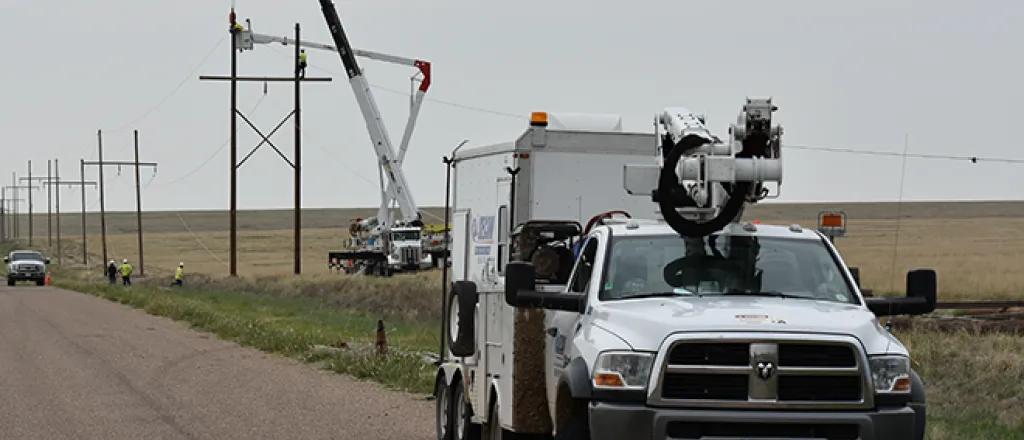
972, 159
191, 74
212, 156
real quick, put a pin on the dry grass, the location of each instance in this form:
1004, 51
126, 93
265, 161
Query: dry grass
976, 247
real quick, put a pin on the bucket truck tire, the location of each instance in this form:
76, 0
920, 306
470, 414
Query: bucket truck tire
461, 318
577, 425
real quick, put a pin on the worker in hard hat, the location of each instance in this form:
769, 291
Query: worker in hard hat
126, 273
302, 63
112, 272
179, 275
237, 28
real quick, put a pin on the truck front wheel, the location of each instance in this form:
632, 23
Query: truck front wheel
10, 281
576, 425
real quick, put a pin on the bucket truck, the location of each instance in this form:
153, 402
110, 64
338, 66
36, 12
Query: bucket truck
584, 307
383, 244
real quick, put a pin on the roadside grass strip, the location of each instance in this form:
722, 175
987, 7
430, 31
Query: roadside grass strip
293, 327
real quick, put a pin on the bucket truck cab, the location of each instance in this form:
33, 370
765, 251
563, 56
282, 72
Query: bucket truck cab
407, 250
621, 328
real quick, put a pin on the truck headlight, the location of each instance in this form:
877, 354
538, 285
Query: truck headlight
890, 374
623, 370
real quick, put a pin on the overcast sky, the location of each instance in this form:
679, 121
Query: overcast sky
853, 75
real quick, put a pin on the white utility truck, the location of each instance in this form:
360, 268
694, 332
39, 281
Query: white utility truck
665, 316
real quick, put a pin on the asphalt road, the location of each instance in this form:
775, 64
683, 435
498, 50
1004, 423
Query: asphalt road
73, 366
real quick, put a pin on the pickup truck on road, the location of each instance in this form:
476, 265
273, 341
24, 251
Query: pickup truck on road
26, 265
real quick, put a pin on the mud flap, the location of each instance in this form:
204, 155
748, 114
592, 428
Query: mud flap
530, 412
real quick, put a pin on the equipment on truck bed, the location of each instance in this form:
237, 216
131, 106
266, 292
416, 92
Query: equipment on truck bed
702, 184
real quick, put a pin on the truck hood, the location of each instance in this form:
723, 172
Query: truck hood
28, 263
645, 323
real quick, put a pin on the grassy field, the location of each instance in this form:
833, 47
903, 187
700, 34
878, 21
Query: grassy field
976, 247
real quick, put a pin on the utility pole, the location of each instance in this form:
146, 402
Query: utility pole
6, 209
235, 163
49, 219
138, 192
85, 237
49, 204
3, 213
138, 203
17, 215
29, 191
56, 183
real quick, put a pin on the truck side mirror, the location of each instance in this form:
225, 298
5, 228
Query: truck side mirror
520, 291
47, 261
922, 292
7, 260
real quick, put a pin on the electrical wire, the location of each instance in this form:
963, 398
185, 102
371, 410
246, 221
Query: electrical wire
212, 156
191, 74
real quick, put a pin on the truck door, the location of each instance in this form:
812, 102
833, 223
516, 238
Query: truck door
561, 326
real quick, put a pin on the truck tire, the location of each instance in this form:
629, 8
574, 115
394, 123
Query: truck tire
577, 425
461, 318
41, 282
917, 403
443, 414
462, 414
10, 282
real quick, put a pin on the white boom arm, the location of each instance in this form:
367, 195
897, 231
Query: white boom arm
702, 184
396, 187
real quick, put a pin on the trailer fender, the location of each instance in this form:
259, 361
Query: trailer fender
577, 378
449, 371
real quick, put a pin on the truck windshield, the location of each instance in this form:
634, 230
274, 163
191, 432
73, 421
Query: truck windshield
26, 256
405, 235
722, 265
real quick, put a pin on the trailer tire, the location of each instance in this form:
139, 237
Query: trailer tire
462, 318
577, 425
463, 427
444, 419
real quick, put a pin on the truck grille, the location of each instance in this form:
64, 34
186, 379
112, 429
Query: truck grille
410, 255
764, 373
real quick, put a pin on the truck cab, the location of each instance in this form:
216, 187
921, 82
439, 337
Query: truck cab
26, 265
757, 330
407, 249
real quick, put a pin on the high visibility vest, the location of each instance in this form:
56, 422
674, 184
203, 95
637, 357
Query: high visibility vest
178, 274
302, 57
126, 269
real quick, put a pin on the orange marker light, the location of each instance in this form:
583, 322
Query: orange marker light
902, 384
539, 118
832, 220
608, 380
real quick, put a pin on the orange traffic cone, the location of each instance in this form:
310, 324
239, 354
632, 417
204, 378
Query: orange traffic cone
47, 278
